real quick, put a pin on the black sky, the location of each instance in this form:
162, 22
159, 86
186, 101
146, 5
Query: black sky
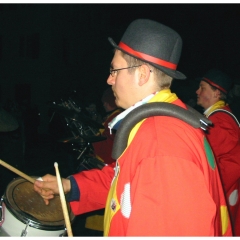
210, 33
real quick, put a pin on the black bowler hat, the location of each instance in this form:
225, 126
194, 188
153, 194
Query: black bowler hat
154, 43
218, 79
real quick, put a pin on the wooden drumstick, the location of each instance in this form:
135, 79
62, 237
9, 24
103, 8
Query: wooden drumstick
63, 201
13, 169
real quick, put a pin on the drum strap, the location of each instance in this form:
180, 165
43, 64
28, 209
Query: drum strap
190, 116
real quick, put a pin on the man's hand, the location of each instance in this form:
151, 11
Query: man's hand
48, 187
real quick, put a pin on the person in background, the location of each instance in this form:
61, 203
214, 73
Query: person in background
93, 113
224, 136
165, 181
103, 149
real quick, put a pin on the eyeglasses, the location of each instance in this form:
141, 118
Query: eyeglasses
114, 71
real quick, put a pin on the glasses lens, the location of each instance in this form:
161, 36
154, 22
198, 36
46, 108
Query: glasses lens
112, 72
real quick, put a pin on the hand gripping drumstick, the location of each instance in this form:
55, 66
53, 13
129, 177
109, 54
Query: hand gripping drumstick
62, 196
63, 201
13, 169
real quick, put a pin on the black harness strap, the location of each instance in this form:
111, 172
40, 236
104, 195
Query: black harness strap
190, 116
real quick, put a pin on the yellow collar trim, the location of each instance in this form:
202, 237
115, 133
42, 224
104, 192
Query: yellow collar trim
163, 96
218, 105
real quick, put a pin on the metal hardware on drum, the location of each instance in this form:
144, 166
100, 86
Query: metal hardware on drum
70, 104
24, 232
89, 162
75, 115
82, 152
84, 131
1, 212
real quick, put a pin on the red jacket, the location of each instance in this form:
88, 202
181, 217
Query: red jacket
224, 138
165, 184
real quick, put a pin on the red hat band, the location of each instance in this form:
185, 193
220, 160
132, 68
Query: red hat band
214, 85
147, 57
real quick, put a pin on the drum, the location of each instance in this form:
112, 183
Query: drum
24, 213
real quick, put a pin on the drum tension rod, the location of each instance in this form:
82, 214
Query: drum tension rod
1, 211
24, 232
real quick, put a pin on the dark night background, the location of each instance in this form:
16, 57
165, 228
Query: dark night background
49, 50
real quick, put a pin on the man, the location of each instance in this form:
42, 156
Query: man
164, 183
224, 136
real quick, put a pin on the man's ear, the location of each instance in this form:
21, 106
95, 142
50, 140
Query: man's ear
217, 93
144, 74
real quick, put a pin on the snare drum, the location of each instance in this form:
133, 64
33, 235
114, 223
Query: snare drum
24, 213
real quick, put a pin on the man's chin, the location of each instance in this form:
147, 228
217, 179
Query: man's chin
198, 103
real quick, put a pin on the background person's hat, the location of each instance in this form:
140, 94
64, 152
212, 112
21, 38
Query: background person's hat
218, 79
154, 43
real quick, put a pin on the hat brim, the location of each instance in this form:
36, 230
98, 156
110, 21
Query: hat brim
172, 73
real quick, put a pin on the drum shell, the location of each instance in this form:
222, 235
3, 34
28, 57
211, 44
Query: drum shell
12, 227
23, 208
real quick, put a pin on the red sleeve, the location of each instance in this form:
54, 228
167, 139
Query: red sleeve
94, 186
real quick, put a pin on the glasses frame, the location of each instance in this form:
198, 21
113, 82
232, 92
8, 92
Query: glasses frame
113, 72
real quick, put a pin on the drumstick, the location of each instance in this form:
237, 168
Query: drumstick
13, 169
63, 201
